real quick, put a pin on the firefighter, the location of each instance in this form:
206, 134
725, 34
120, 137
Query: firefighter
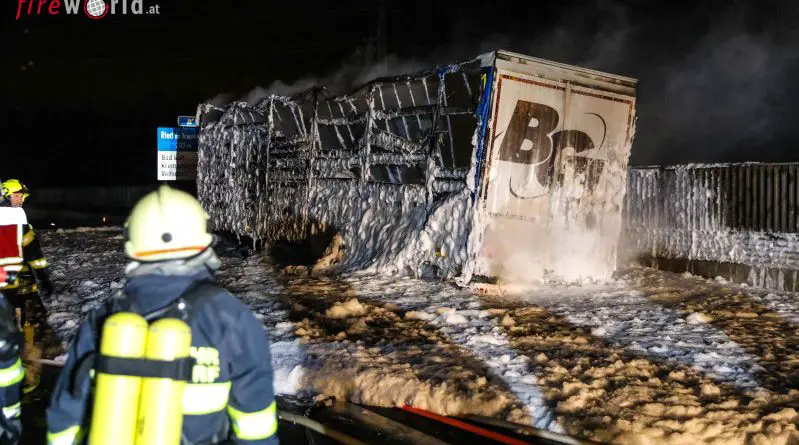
11, 342
33, 283
229, 397
11, 371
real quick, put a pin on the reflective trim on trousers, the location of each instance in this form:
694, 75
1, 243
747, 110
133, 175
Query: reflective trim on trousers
12, 411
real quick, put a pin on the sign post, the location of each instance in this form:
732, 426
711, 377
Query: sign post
187, 121
177, 153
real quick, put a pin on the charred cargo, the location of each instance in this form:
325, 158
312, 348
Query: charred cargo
500, 166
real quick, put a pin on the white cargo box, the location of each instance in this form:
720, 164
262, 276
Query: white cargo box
552, 188
501, 166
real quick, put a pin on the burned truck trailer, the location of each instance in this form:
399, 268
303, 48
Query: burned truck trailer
501, 166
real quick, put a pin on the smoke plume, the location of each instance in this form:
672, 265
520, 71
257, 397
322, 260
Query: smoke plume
715, 80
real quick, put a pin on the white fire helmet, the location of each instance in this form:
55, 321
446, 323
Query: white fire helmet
166, 224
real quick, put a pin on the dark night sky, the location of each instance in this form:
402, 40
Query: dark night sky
82, 98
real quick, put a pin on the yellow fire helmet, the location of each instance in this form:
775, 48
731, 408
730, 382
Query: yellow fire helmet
13, 186
166, 224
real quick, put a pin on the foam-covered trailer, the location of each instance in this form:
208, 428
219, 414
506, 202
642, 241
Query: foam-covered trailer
501, 166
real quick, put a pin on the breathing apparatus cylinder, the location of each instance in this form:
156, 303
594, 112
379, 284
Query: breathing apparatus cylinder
161, 406
117, 396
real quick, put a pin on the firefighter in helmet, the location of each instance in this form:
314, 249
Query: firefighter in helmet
34, 278
229, 396
11, 340
32, 284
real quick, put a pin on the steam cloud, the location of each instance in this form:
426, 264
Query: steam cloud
351, 73
713, 82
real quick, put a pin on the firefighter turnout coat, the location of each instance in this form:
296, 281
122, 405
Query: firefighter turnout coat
231, 390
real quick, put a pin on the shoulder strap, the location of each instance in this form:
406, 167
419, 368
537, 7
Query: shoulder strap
119, 302
189, 303
185, 307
